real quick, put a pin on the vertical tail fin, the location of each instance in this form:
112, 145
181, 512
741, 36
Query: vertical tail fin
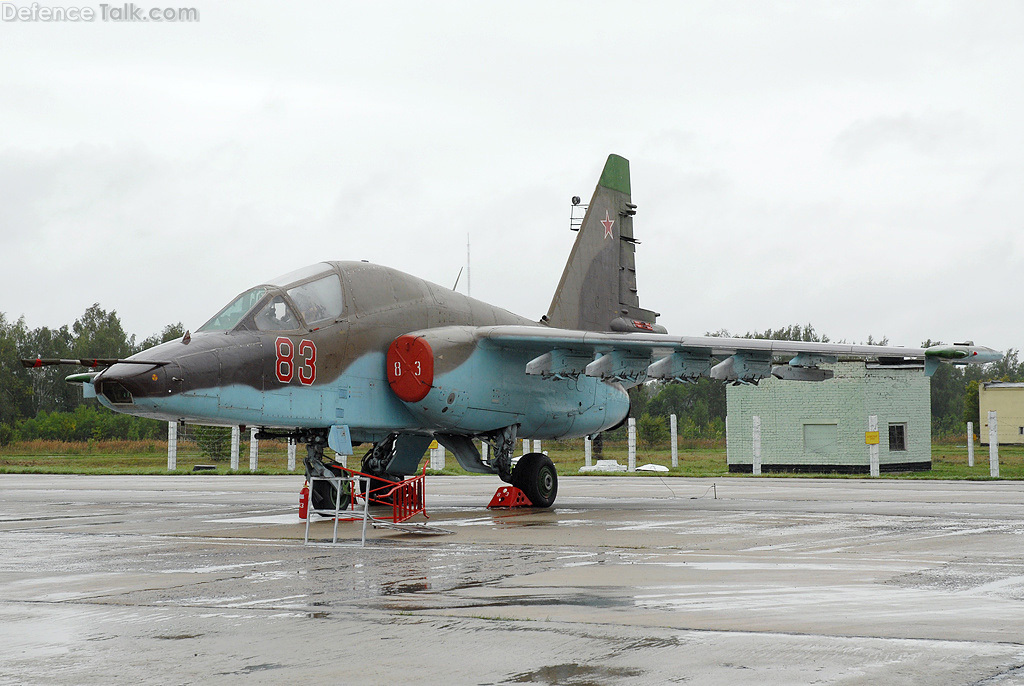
598, 287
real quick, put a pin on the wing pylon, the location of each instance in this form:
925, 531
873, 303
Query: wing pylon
635, 357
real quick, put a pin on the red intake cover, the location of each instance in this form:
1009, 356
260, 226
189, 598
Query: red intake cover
410, 364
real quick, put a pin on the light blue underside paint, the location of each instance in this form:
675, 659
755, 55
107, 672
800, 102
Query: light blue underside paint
340, 440
361, 396
492, 391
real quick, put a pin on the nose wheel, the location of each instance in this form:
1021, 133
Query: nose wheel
535, 475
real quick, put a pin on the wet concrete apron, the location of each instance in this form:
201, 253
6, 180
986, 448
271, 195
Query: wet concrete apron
628, 580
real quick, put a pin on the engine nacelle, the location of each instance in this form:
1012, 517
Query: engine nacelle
430, 373
449, 380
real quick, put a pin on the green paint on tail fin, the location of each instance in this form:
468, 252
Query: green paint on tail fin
616, 174
597, 291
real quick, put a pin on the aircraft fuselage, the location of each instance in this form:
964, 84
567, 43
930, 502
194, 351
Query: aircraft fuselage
335, 373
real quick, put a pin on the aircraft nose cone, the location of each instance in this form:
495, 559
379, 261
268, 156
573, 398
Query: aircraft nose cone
983, 354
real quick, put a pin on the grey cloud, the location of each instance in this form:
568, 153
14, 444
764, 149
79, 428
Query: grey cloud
921, 134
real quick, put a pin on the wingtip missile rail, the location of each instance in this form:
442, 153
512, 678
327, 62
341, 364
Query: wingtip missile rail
963, 353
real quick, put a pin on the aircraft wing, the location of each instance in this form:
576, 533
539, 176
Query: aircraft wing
635, 356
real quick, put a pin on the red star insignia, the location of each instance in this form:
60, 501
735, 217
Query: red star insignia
608, 224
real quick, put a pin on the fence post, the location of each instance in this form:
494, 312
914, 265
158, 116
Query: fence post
291, 454
674, 428
993, 444
536, 445
437, 457
172, 446
235, 439
970, 444
873, 448
755, 466
526, 445
254, 450
632, 444
588, 452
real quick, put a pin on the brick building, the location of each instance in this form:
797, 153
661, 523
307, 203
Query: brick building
820, 427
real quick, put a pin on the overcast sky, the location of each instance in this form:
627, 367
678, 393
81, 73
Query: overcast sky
855, 165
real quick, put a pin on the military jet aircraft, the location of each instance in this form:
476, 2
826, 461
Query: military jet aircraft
348, 353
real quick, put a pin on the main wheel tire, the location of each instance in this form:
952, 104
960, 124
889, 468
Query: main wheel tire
323, 494
535, 475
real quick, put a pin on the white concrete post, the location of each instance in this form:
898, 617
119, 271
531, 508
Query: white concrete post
673, 427
873, 449
588, 452
536, 446
291, 454
485, 450
970, 444
254, 450
993, 444
235, 439
172, 446
756, 465
526, 445
632, 444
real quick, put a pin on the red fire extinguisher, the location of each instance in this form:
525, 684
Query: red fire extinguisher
304, 501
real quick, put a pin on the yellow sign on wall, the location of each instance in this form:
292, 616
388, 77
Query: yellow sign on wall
871, 437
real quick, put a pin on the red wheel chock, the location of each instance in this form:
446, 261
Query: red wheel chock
509, 496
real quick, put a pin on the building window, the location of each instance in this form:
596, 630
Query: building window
821, 439
1022, 431
897, 437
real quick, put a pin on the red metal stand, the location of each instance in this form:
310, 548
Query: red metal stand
509, 496
406, 498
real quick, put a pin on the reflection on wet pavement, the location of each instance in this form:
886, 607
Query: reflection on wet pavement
814, 581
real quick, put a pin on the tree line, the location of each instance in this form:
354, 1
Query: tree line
38, 404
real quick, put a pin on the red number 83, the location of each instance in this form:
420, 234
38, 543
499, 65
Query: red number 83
284, 367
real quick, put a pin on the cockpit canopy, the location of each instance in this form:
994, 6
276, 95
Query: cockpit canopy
308, 298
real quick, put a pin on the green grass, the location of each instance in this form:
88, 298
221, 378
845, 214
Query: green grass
696, 458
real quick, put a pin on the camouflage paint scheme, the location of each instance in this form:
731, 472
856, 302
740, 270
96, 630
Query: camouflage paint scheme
229, 378
495, 374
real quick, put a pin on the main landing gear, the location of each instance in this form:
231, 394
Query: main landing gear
374, 462
535, 475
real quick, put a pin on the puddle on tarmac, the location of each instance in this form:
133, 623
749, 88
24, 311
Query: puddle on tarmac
574, 599
572, 673
249, 669
398, 587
